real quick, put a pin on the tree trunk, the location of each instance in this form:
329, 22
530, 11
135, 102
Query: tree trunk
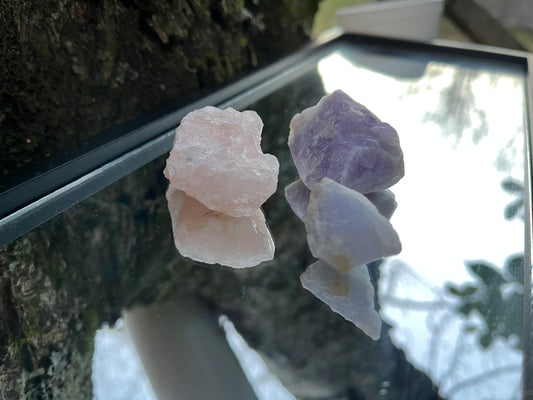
70, 69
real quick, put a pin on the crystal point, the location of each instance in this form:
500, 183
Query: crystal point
297, 195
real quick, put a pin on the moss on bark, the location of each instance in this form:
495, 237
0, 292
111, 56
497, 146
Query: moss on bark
70, 69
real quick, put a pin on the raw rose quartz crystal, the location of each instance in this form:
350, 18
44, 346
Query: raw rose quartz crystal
345, 230
350, 295
342, 140
213, 237
217, 159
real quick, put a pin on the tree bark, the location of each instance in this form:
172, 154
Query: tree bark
70, 69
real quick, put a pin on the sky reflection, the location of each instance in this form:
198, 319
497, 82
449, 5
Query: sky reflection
461, 130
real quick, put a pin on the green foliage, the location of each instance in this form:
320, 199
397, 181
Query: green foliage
325, 17
497, 297
515, 209
67, 378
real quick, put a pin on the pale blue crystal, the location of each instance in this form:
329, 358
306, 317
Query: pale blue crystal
345, 229
350, 295
297, 195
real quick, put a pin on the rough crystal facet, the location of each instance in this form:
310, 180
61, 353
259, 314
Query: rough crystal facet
217, 159
384, 200
344, 229
213, 237
297, 195
342, 140
350, 295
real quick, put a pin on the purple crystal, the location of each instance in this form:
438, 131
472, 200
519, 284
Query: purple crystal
342, 140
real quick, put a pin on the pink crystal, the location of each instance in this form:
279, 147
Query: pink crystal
217, 159
213, 237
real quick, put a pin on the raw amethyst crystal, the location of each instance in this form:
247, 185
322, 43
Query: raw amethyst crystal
342, 140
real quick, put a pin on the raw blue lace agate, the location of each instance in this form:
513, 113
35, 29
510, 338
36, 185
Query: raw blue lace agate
350, 295
345, 230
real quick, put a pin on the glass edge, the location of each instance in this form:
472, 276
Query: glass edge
527, 377
248, 89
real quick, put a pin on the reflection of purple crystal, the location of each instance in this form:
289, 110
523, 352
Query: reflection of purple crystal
297, 195
384, 200
342, 140
345, 229
350, 295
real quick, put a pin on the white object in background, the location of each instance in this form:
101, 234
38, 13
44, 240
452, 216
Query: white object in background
406, 19
185, 353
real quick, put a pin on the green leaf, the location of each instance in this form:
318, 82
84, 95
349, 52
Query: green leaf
488, 274
463, 291
485, 340
511, 185
467, 308
469, 290
514, 265
37, 372
513, 208
453, 289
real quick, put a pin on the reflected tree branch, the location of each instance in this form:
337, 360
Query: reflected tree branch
437, 333
477, 379
459, 348
418, 305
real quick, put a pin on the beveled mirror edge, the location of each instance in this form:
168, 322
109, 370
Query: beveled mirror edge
527, 383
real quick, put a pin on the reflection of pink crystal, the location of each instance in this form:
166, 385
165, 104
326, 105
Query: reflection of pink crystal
217, 159
213, 237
